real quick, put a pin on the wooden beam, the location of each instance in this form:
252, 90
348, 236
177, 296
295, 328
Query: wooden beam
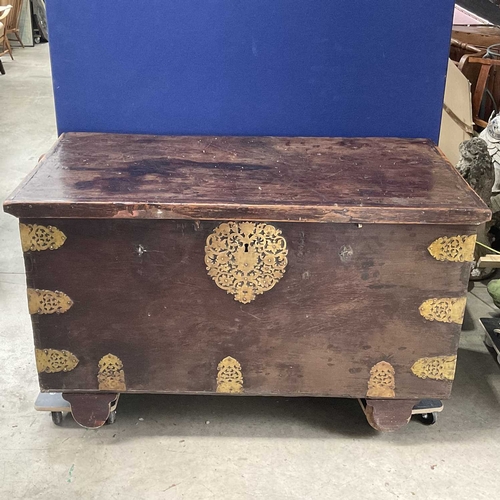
489, 261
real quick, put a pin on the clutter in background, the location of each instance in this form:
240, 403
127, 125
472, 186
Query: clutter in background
470, 131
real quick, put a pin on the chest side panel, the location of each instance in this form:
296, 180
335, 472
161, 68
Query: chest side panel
355, 311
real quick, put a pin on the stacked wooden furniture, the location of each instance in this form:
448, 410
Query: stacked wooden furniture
473, 49
246, 266
12, 21
4, 40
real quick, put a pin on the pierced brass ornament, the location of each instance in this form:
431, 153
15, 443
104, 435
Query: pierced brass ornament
54, 361
245, 258
382, 382
446, 310
48, 302
436, 368
453, 248
229, 376
111, 376
38, 238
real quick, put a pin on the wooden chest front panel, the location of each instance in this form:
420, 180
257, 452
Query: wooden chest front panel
349, 299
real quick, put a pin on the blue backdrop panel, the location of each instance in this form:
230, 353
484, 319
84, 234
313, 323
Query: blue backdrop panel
250, 67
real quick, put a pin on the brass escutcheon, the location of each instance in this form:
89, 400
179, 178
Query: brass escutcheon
246, 258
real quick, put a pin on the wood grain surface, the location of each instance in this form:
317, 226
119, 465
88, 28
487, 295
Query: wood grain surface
376, 180
90, 410
388, 416
349, 299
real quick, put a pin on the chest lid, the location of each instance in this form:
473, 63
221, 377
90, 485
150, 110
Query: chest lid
307, 179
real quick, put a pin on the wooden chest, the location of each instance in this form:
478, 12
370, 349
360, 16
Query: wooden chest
246, 265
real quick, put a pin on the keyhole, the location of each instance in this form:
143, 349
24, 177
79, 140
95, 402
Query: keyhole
246, 247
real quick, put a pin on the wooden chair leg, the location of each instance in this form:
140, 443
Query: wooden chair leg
477, 97
16, 33
7, 45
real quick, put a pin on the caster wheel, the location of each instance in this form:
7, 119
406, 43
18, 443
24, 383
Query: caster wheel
428, 418
112, 418
57, 417
37, 39
487, 341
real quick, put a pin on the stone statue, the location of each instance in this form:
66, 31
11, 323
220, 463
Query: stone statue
476, 168
491, 135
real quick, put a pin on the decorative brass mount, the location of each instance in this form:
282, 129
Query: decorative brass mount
246, 258
54, 361
38, 238
48, 302
436, 368
446, 310
229, 376
382, 381
111, 376
453, 248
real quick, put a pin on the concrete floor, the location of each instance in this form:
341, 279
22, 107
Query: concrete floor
176, 447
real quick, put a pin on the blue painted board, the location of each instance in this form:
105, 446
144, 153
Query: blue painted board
250, 67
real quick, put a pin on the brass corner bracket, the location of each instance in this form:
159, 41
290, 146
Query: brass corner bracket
453, 248
445, 310
54, 361
48, 302
435, 368
36, 238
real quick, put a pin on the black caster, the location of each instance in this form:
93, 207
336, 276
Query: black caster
427, 410
492, 335
428, 418
57, 417
112, 418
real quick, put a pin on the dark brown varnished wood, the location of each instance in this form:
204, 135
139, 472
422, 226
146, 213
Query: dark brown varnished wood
90, 410
139, 312
141, 292
388, 415
362, 180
